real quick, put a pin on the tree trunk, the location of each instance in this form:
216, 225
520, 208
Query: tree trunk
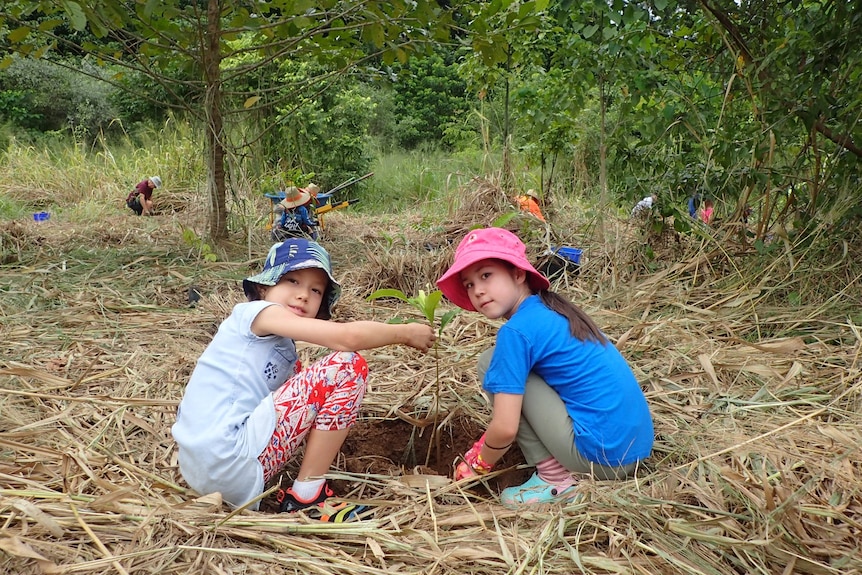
506, 183
603, 162
215, 127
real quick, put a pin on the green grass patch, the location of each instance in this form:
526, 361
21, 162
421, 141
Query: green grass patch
421, 177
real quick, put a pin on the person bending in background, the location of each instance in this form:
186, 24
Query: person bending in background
693, 205
529, 202
558, 386
140, 200
644, 206
249, 404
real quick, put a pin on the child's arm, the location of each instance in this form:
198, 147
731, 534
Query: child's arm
350, 336
496, 441
501, 432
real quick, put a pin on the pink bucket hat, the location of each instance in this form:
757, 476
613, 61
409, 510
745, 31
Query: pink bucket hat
487, 243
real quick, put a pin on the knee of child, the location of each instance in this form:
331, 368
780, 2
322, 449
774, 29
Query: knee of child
352, 361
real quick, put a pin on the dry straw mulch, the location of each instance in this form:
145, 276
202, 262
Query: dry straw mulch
756, 405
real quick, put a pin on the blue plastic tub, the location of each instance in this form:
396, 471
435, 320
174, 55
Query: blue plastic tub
560, 260
569, 253
41, 216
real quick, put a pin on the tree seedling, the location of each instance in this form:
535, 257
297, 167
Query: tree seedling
427, 306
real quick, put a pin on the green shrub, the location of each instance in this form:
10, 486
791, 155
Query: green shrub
319, 129
40, 95
429, 97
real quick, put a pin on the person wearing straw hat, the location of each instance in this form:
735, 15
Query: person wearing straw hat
312, 189
293, 218
249, 404
529, 202
140, 199
558, 386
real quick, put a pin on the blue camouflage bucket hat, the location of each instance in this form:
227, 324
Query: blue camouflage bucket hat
291, 255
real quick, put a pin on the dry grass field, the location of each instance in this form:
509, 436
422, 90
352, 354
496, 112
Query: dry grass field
751, 367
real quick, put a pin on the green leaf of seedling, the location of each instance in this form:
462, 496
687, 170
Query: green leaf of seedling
447, 317
399, 320
418, 301
431, 303
396, 293
504, 219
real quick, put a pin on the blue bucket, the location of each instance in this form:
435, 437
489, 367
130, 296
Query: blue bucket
41, 216
561, 260
571, 254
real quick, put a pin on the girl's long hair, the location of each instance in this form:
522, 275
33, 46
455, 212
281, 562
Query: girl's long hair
580, 325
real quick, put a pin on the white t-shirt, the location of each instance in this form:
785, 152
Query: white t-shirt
226, 416
642, 205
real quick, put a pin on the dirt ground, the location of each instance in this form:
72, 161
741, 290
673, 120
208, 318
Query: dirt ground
396, 447
756, 403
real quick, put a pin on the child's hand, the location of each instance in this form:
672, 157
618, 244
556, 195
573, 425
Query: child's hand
473, 463
420, 336
463, 471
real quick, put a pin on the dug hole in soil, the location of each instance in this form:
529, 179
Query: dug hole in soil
395, 447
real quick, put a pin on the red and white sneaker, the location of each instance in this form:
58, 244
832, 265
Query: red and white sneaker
290, 502
317, 508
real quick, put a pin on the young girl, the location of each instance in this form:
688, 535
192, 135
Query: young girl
558, 386
249, 404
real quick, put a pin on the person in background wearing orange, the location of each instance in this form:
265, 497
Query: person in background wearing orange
529, 202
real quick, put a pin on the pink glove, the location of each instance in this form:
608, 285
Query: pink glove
473, 463
462, 471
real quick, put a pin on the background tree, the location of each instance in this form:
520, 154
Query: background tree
157, 39
754, 103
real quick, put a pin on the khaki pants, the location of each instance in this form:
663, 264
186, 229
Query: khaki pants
546, 429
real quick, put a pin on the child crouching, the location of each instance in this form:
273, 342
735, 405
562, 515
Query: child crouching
558, 386
249, 404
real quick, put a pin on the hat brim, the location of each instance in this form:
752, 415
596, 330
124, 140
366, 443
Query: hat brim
271, 276
303, 198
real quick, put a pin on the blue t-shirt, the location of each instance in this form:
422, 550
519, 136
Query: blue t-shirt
611, 418
300, 215
226, 417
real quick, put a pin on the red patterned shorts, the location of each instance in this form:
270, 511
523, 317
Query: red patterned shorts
326, 396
